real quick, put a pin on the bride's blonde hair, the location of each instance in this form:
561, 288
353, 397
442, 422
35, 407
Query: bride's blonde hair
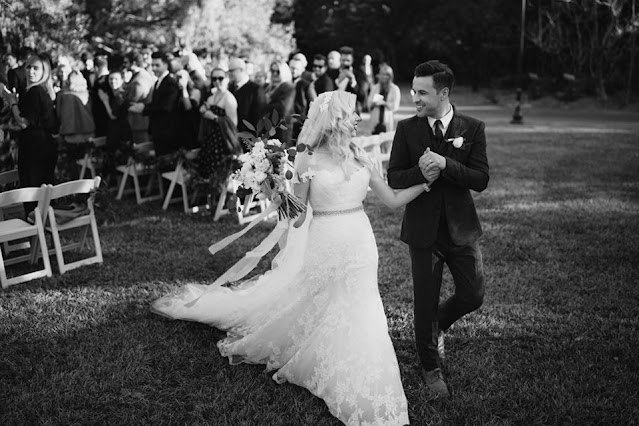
330, 124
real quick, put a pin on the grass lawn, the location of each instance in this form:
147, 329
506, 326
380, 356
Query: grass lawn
555, 343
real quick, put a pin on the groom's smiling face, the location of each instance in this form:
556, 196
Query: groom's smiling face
428, 101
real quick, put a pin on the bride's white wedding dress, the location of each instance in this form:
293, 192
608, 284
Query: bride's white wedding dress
316, 317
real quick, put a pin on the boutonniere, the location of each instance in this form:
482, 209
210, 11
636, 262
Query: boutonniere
457, 141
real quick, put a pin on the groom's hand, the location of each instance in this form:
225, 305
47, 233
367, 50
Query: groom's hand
430, 158
428, 166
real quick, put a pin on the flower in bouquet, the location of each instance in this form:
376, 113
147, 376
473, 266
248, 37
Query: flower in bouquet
267, 168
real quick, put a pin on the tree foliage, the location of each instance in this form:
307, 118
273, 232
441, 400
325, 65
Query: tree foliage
592, 39
239, 27
405, 33
49, 25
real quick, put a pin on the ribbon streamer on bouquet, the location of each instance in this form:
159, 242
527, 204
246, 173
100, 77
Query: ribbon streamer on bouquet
253, 257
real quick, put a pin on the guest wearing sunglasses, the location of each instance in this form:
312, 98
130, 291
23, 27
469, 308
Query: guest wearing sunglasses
218, 132
323, 82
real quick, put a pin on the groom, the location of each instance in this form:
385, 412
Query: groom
447, 150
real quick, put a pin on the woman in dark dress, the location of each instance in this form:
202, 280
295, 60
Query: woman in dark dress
35, 113
218, 131
118, 129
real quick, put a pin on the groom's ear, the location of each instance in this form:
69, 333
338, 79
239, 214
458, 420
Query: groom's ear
445, 92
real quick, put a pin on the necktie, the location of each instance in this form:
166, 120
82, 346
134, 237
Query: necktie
439, 135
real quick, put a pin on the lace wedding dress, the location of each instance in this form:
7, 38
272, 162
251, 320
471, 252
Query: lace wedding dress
316, 318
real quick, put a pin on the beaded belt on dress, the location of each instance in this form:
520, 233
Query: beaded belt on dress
337, 212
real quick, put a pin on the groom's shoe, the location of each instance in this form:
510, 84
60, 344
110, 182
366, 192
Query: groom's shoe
440, 345
435, 381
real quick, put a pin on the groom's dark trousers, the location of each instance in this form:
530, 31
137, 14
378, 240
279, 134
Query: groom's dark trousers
441, 226
466, 267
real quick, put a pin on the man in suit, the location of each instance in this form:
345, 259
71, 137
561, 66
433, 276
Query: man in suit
322, 82
138, 90
303, 95
351, 79
162, 110
447, 150
250, 96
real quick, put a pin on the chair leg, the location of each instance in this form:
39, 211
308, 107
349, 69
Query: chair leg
185, 197
45, 252
3, 273
96, 240
85, 161
169, 194
136, 185
221, 202
125, 176
58, 245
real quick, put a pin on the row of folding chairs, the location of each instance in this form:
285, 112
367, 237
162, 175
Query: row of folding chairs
379, 148
18, 233
135, 169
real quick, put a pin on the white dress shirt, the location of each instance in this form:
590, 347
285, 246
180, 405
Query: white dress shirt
445, 121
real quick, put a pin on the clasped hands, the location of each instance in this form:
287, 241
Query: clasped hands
431, 164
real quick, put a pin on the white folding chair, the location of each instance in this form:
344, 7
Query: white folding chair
84, 219
89, 161
136, 169
179, 177
246, 212
11, 180
370, 144
17, 229
385, 147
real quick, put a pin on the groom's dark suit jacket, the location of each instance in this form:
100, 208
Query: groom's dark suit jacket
466, 168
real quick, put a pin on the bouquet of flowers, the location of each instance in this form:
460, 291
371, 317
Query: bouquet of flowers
267, 169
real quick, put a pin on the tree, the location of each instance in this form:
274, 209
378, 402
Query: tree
241, 28
592, 38
46, 25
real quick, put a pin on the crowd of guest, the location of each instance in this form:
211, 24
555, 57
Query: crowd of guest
176, 100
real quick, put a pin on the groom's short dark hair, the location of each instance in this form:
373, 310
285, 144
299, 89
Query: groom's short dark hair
442, 74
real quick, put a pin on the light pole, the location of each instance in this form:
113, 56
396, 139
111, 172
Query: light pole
517, 117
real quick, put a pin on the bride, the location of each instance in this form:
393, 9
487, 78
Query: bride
316, 318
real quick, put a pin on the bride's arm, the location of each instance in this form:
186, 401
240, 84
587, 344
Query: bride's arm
391, 198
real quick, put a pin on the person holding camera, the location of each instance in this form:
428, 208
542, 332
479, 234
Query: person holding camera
383, 100
350, 79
